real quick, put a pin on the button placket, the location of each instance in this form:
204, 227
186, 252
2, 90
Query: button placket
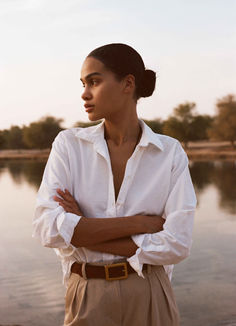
130, 170
111, 207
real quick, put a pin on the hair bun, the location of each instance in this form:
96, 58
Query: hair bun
147, 84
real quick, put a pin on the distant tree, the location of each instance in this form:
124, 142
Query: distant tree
3, 144
40, 134
14, 138
224, 125
155, 125
200, 126
4, 135
186, 125
179, 125
82, 124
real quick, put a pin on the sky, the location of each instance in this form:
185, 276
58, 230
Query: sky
191, 44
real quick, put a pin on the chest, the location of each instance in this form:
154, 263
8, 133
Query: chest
118, 158
136, 178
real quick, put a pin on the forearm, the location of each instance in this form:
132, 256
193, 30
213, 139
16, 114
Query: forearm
92, 231
122, 247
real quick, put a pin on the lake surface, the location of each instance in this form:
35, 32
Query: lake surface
31, 291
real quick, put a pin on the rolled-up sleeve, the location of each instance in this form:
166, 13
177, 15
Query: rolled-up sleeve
51, 224
173, 244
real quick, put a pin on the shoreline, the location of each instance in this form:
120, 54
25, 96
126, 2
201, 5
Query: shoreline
32, 154
195, 151
205, 155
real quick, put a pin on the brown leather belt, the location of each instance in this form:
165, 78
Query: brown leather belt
117, 271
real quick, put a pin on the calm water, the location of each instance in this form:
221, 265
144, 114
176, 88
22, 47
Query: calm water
31, 293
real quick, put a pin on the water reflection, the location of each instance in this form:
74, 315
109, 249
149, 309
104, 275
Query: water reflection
220, 173
201, 174
25, 170
204, 283
225, 180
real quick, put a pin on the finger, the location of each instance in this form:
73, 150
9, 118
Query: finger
69, 197
58, 199
61, 200
68, 203
70, 208
64, 205
66, 195
60, 192
67, 208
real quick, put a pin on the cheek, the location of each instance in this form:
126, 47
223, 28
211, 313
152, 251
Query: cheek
106, 94
114, 92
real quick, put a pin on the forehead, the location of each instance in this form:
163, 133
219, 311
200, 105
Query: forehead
92, 65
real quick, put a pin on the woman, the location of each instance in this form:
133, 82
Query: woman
116, 201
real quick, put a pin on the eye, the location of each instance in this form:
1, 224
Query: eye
94, 82
91, 82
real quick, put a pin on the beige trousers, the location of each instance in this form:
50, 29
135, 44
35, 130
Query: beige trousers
135, 301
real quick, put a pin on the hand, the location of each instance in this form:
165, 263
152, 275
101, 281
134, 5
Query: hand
153, 223
67, 201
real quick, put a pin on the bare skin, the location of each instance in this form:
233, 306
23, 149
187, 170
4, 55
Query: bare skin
119, 155
110, 235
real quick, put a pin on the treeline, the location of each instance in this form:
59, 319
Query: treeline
184, 123
39, 134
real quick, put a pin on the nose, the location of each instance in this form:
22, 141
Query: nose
86, 95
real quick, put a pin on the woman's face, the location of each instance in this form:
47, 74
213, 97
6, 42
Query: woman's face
103, 94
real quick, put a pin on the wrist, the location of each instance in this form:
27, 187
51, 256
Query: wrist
141, 224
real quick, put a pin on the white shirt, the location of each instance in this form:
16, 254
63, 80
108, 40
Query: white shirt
156, 182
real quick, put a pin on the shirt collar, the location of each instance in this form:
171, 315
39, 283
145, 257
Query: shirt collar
149, 136
95, 134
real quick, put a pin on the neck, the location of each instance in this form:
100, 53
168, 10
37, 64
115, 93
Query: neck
123, 128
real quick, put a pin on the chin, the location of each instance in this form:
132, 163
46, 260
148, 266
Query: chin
95, 117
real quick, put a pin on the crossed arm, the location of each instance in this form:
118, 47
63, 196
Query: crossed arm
108, 235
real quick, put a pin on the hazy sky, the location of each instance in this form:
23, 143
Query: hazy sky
191, 44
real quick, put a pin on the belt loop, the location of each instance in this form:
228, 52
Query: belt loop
149, 269
84, 271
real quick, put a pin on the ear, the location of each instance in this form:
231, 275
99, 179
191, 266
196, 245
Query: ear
129, 84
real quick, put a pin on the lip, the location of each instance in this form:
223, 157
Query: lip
88, 107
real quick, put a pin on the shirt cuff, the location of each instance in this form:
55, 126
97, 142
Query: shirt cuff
134, 260
66, 224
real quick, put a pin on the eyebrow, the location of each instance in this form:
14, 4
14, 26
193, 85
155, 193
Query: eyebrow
90, 75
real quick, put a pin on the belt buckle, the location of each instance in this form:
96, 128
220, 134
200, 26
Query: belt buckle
125, 270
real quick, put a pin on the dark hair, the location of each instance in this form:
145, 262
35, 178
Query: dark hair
122, 60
